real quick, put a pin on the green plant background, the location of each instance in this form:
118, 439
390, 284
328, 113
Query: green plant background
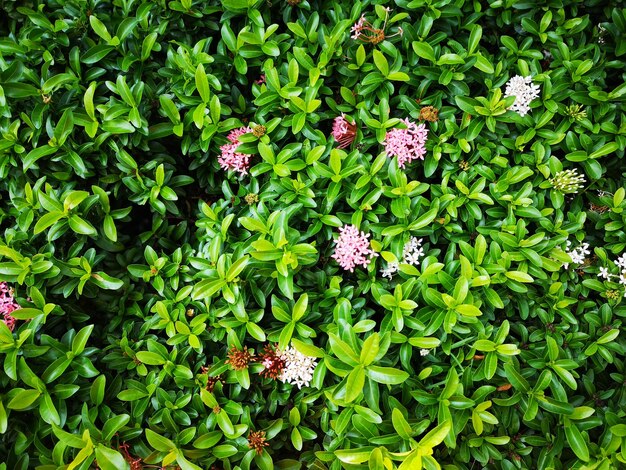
138, 261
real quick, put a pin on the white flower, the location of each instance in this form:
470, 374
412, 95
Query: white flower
621, 261
390, 270
413, 251
411, 254
577, 254
424, 352
524, 91
298, 367
604, 273
622, 278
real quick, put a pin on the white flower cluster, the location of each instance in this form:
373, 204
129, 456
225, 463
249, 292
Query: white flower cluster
577, 254
298, 367
411, 254
621, 264
424, 352
524, 91
568, 181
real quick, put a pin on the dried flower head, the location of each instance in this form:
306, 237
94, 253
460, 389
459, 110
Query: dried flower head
429, 113
251, 198
135, 463
211, 381
407, 144
259, 130
364, 31
239, 359
298, 368
230, 159
257, 441
352, 248
599, 209
568, 181
8, 305
524, 91
273, 363
344, 132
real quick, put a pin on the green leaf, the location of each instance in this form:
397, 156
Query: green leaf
370, 349
608, 337
147, 45
150, 358
474, 38
576, 441
387, 375
23, 399
400, 424
483, 64
96, 392
47, 220
99, 28
169, 108
81, 226
104, 281
160, 443
35, 154
424, 50
342, 350
237, 268
519, 276
381, 62
109, 459
436, 436
80, 340
619, 430
354, 456
202, 84
355, 383
73, 199
225, 424
208, 440
299, 309
516, 379
468, 310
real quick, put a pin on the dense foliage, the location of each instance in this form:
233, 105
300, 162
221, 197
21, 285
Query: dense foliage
195, 273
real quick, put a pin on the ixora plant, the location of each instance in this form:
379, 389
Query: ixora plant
240, 234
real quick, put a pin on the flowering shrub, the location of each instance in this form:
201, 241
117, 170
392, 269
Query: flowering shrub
406, 144
240, 234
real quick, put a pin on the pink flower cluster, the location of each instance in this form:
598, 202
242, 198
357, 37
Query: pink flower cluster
407, 144
230, 159
343, 131
353, 248
358, 27
8, 305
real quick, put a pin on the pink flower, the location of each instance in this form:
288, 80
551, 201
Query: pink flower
353, 248
406, 144
8, 305
343, 131
358, 27
261, 79
230, 159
